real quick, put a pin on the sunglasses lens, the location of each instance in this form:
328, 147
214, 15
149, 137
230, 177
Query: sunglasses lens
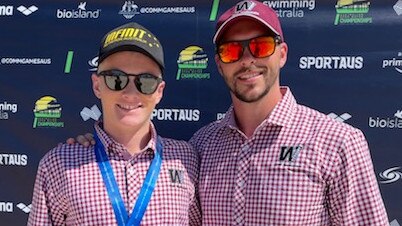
116, 81
230, 51
146, 83
262, 46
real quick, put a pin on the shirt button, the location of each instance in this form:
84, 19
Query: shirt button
131, 171
240, 183
239, 220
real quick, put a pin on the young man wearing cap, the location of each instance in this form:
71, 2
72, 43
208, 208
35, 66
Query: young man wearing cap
271, 161
131, 175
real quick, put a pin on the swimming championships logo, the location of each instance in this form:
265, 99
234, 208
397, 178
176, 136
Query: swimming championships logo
47, 113
352, 12
191, 64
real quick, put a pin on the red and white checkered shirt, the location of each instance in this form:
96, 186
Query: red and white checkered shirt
69, 189
300, 167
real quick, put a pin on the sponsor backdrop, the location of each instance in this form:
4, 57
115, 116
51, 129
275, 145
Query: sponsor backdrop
345, 59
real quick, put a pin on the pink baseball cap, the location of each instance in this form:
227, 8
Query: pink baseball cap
248, 9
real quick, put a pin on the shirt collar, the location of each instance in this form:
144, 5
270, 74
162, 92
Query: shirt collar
281, 115
112, 146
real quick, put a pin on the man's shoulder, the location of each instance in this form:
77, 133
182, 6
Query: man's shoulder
208, 130
68, 154
319, 121
179, 147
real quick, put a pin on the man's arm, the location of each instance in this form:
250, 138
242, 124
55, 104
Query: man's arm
39, 214
353, 196
48, 202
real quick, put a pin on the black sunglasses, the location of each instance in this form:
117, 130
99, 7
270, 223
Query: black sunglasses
117, 80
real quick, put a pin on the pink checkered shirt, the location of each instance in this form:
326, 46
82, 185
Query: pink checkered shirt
69, 188
300, 167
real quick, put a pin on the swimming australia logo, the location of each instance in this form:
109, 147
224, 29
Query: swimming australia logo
394, 63
6, 109
331, 62
388, 122
289, 153
391, 175
47, 113
6, 10
291, 8
191, 64
352, 12
80, 13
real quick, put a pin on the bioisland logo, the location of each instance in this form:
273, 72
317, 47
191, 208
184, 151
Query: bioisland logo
387, 123
80, 13
47, 113
191, 64
291, 8
352, 12
7, 108
393, 63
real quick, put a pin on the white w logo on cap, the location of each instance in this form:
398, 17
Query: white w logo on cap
244, 5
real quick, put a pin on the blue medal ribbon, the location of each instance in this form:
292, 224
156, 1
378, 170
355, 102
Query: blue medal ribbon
112, 188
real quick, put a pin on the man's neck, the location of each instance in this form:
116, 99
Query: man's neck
133, 139
250, 115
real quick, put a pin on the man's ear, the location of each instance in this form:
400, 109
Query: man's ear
96, 85
159, 91
218, 64
284, 54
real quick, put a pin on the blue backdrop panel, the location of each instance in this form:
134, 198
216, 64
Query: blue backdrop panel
344, 60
